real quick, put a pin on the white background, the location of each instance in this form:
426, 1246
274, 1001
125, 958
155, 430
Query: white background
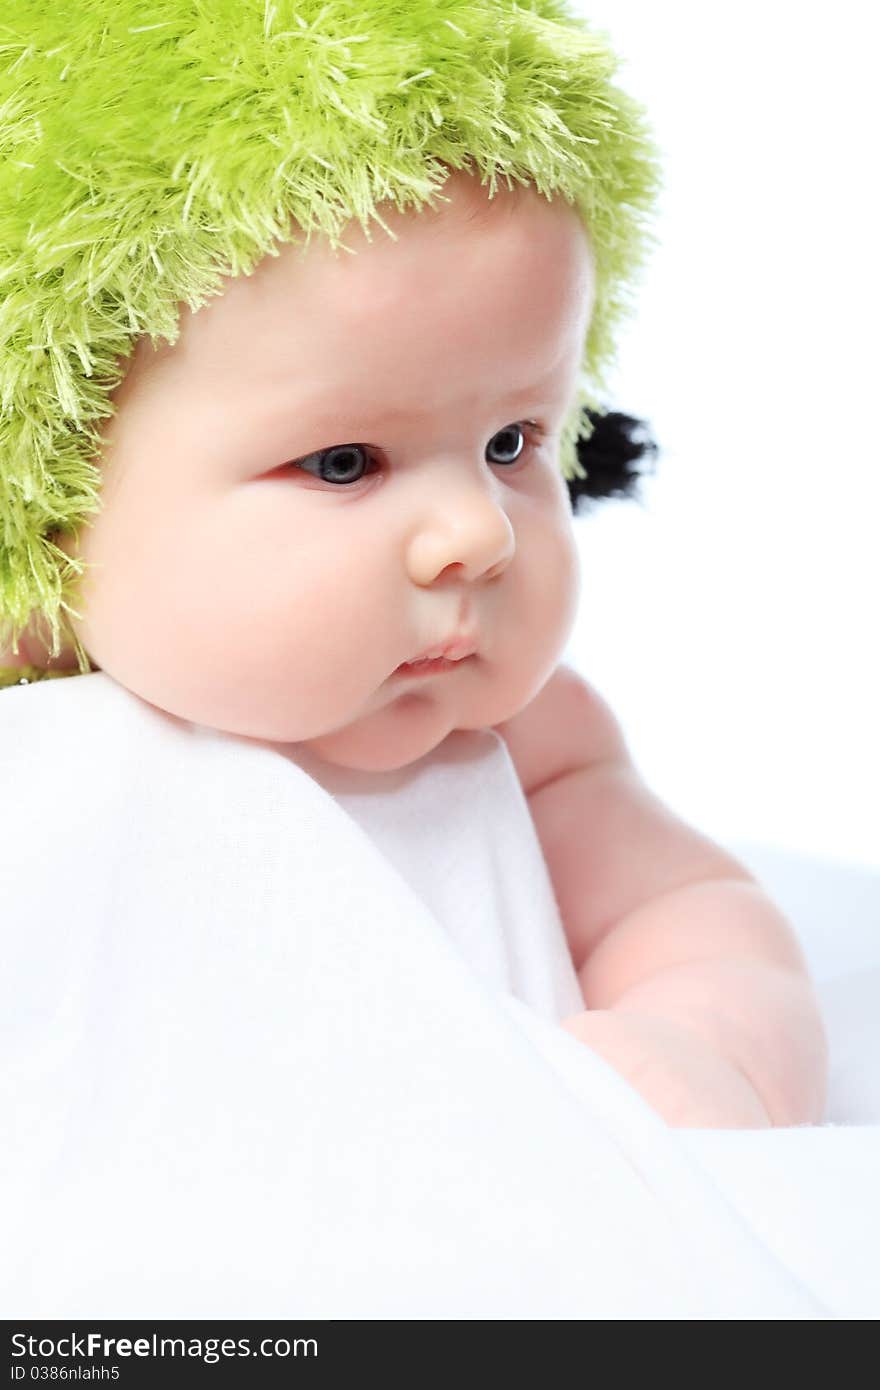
730, 621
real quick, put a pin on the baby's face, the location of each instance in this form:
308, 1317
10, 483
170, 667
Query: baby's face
343, 461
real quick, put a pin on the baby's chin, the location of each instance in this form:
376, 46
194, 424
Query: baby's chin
391, 738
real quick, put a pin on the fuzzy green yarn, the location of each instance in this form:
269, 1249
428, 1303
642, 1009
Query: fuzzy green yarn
149, 148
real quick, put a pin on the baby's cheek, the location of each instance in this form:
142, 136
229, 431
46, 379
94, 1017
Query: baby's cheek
135, 598
532, 612
553, 578
259, 641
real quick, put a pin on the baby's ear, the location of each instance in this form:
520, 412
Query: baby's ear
618, 453
34, 649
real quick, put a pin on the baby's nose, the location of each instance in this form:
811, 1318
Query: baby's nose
474, 542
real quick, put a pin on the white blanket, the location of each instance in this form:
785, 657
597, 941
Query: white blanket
258, 1062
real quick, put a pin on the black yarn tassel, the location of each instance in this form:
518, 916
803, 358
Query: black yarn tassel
616, 456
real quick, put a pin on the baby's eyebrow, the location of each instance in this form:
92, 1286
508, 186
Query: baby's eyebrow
330, 414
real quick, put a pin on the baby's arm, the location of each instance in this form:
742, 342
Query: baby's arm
695, 986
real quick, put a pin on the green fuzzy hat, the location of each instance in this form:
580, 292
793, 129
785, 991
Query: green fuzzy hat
151, 148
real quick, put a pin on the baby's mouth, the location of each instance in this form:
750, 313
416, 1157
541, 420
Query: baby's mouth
443, 656
431, 666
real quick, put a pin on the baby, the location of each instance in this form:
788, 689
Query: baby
332, 515
300, 505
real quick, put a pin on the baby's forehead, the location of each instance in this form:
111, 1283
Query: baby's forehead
403, 253
428, 293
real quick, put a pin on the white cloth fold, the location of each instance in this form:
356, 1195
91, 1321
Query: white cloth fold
275, 1050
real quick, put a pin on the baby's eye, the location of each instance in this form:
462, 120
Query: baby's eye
509, 443
344, 463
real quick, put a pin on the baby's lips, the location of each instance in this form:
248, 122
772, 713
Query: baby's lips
453, 649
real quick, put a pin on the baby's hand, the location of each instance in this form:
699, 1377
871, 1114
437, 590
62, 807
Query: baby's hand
687, 1082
